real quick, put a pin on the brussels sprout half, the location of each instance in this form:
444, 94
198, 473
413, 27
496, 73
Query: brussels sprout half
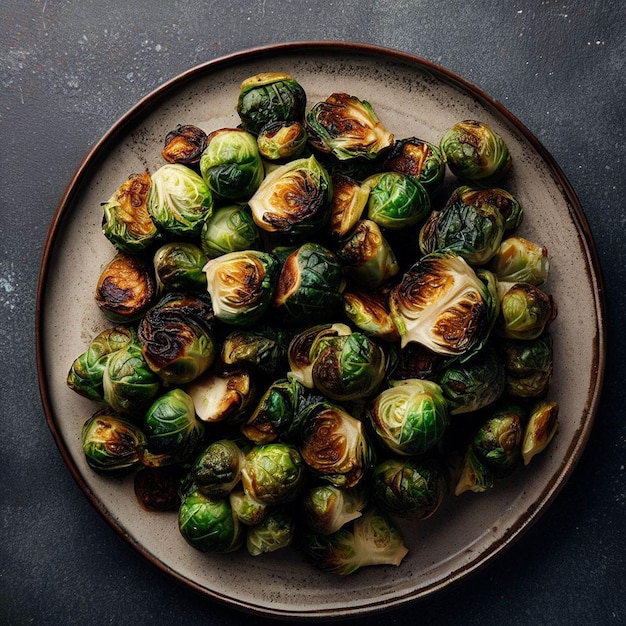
540, 429
475, 152
178, 267
126, 222
347, 204
346, 127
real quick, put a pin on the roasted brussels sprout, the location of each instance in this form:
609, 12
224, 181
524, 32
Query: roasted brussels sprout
521, 261
409, 486
274, 532
125, 288
179, 200
370, 313
170, 425
474, 476
418, 159
540, 429
222, 398
300, 349
111, 444
279, 141
294, 199
410, 417
525, 311
347, 204
263, 349
334, 445
241, 285
396, 201
374, 540
230, 229
474, 384
367, 256
178, 267
217, 469
209, 524
273, 473
309, 286
249, 511
475, 152
347, 367
528, 365
86, 373
326, 508
442, 304
270, 97
347, 127
176, 337
468, 225
231, 164
129, 385
185, 145
126, 222
156, 488
498, 442
275, 413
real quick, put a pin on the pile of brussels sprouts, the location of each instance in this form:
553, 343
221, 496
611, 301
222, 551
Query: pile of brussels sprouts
308, 339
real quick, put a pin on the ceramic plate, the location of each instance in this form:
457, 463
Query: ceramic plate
413, 98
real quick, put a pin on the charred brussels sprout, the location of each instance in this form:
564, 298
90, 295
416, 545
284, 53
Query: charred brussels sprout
241, 285
334, 445
326, 508
528, 365
370, 313
178, 267
346, 127
217, 469
540, 429
409, 486
294, 199
367, 256
468, 225
300, 349
222, 398
263, 349
275, 413
396, 201
274, 532
442, 304
411, 417
474, 384
176, 337
521, 261
273, 473
309, 285
209, 524
129, 385
420, 160
126, 222
231, 164
111, 444
230, 229
347, 367
475, 152
270, 97
125, 288
86, 373
179, 200
279, 141
184, 145
525, 311
171, 426
373, 540
347, 204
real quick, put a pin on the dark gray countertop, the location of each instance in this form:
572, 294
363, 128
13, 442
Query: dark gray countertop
69, 70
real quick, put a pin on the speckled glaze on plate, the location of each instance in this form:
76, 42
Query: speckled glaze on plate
413, 98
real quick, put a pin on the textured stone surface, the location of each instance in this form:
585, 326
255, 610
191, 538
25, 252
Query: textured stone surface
69, 70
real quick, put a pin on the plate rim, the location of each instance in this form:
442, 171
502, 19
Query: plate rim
147, 104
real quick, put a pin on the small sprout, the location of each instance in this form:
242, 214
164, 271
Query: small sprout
249, 511
216, 471
541, 428
230, 229
347, 205
178, 267
525, 311
326, 508
280, 141
263, 350
474, 475
274, 532
521, 261
529, 366
184, 145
